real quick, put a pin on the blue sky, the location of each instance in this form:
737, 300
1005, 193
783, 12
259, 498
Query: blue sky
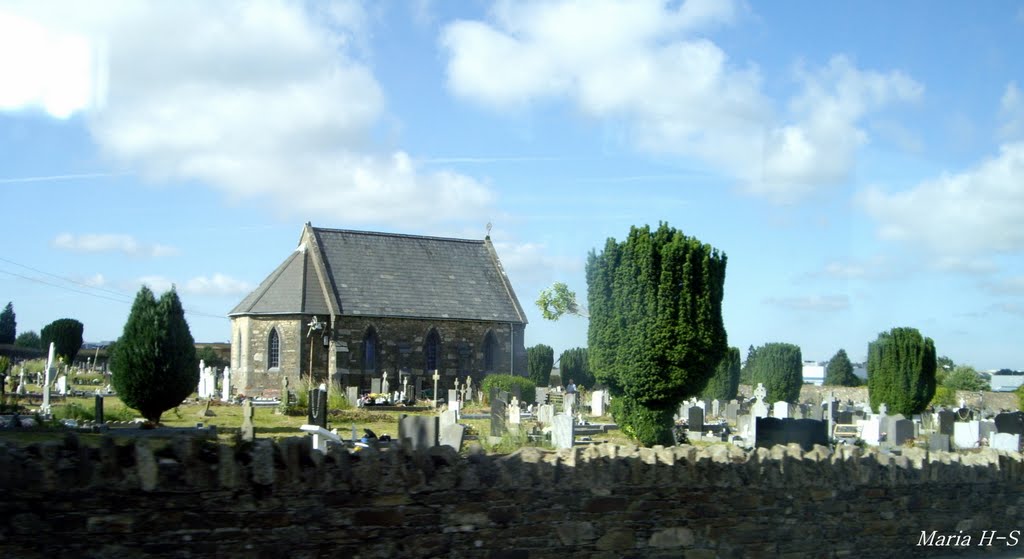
862, 165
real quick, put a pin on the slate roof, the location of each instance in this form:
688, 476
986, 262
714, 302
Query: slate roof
362, 273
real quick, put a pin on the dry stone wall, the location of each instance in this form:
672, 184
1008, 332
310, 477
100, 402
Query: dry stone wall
194, 498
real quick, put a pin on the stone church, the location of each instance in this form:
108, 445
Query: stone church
351, 305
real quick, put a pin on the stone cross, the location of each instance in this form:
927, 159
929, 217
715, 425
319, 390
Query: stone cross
384, 383
436, 378
882, 409
226, 393
760, 392
45, 409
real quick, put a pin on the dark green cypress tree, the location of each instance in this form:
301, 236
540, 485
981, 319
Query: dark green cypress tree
656, 332
839, 371
8, 325
66, 335
725, 383
154, 362
539, 360
901, 371
574, 364
780, 368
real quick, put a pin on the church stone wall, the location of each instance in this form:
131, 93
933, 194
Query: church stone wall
194, 498
401, 347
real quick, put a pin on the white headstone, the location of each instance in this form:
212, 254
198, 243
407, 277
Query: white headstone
562, 431
384, 383
597, 403
883, 410
226, 393
716, 407
514, 413
780, 410
1005, 441
545, 414
871, 431
760, 393
966, 434
62, 385
45, 409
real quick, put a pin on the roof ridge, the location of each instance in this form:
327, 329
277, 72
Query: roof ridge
397, 235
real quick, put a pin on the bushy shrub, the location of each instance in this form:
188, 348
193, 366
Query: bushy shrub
509, 383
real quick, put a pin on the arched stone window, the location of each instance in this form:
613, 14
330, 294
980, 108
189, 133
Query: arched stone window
432, 351
371, 349
490, 352
273, 349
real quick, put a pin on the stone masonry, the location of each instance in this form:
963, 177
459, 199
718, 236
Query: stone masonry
193, 498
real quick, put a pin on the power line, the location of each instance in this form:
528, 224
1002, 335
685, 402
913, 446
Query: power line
122, 297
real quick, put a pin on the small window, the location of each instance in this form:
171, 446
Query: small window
274, 350
370, 348
432, 351
490, 352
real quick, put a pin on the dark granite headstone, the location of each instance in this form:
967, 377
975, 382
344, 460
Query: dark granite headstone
900, 431
499, 415
805, 432
99, 409
1012, 423
317, 414
844, 417
418, 432
946, 420
695, 420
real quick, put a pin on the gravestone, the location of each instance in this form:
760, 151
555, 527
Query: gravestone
771, 431
562, 431
1010, 423
62, 385
317, 414
780, 410
448, 417
453, 435
597, 403
248, 429
844, 417
938, 442
418, 432
375, 385
900, 430
98, 415
732, 410
715, 408
871, 431
514, 413
946, 420
351, 394
966, 434
987, 428
695, 419
545, 413
541, 394
760, 408
226, 393
453, 398
499, 416
1005, 441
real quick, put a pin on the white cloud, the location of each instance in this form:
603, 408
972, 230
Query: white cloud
960, 217
104, 242
96, 280
640, 62
813, 303
531, 263
45, 68
157, 284
1007, 286
218, 284
265, 100
1011, 112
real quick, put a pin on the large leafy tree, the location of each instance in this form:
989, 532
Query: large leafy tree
839, 371
964, 377
8, 325
154, 362
559, 300
901, 371
656, 332
725, 383
66, 335
780, 368
575, 364
28, 339
539, 360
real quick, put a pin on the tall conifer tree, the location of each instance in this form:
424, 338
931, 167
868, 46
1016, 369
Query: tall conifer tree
901, 371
